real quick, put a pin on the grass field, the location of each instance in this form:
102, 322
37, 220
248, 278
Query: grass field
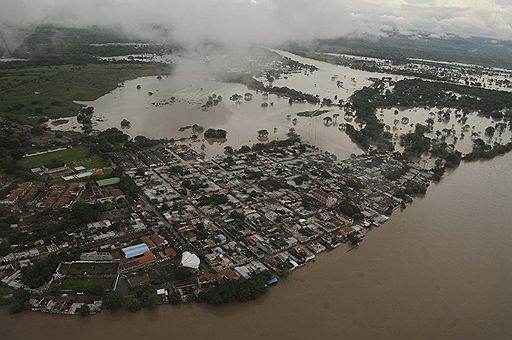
80, 285
92, 268
50, 91
78, 155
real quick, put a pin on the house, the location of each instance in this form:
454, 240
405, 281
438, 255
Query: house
54, 167
325, 198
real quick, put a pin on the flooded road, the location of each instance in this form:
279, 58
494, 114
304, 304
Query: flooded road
441, 269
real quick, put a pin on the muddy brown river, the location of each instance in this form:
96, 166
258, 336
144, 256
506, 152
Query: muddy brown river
441, 269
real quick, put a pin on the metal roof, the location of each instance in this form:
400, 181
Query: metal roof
136, 250
108, 181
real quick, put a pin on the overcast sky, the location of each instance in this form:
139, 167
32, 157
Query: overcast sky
268, 21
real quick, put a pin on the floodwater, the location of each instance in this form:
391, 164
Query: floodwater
157, 116
461, 135
440, 269
153, 116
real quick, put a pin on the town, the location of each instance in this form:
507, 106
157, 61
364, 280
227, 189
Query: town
197, 224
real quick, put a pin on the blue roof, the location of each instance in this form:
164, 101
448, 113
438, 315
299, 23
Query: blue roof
272, 281
134, 251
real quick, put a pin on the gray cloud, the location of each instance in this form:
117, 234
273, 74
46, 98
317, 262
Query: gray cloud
269, 22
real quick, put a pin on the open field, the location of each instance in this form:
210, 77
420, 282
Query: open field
92, 268
80, 285
78, 155
50, 91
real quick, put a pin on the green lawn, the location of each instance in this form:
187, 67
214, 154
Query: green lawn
92, 268
78, 155
50, 91
80, 285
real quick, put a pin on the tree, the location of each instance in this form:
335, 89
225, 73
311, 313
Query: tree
216, 134
354, 239
84, 310
263, 133
182, 273
85, 213
133, 304
113, 300
239, 217
175, 298
228, 150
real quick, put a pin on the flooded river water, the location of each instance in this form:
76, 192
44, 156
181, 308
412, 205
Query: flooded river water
441, 269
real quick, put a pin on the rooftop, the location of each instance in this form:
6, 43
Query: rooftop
136, 250
108, 181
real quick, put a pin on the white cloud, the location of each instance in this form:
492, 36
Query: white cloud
265, 21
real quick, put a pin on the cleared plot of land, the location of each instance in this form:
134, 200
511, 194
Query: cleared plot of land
78, 155
91, 278
86, 284
50, 91
92, 268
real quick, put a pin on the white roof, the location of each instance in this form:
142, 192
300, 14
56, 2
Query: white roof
190, 260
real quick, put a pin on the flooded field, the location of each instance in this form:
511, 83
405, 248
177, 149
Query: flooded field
461, 135
166, 107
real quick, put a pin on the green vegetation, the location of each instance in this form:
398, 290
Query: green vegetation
415, 143
452, 158
349, 209
236, 291
176, 170
215, 199
238, 216
217, 134
75, 155
253, 84
398, 47
481, 150
94, 286
414, 188
409, 93
50, 91
85, 213
365, 103
354, 239
113, 300
92, 268
41, 270
21, 297
314, 113
142, 297
84, 310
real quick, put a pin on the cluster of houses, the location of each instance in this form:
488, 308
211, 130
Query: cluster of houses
41, 195
271, 210
226, 218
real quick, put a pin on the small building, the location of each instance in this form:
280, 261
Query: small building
54, 167
108, 182
135, 251
325, 198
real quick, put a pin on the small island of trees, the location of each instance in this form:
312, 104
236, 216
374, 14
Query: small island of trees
215, 133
